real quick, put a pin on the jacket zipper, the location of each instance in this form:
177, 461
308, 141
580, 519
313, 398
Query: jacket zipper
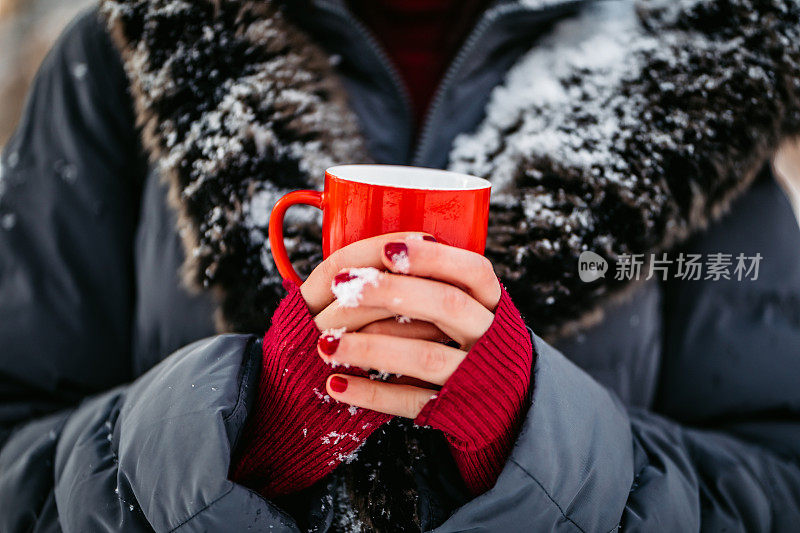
383, 59
489, 18
447, 80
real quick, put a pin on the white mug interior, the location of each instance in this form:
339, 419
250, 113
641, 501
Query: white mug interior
406, 177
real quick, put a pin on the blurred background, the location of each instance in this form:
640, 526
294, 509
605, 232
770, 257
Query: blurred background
28, 29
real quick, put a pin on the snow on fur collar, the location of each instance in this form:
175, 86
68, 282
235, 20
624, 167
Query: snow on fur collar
625, 131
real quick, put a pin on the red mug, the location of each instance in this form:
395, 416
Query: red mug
362, 201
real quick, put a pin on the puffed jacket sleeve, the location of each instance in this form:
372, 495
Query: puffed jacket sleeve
585, 462
83, 445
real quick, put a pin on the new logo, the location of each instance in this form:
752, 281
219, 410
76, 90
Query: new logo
591, 267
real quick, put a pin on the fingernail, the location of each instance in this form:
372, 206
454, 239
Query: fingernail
328, 344
397, 253
344, 277
429, 238
391, 249
338, 384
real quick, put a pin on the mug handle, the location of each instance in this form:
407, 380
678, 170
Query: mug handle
277, 246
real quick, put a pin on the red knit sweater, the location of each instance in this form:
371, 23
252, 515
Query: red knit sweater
297, 434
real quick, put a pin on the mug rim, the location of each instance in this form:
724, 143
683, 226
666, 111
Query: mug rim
370, 174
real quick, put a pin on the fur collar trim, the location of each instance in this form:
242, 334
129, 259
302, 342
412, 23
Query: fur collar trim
237, 108
625, 132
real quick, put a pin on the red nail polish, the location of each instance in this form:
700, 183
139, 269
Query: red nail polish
343, 278
393, 249
328, 344
338, 384
429, 238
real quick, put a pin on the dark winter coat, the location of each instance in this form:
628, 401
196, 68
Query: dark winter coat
677, 410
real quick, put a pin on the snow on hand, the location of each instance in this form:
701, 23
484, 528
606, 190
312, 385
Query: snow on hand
349, 292
401, 262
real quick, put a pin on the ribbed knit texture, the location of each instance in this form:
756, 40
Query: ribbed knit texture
297, 434
482, 405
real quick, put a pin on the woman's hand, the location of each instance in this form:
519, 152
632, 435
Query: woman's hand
413, 294
441, 288
448, 293
329, 315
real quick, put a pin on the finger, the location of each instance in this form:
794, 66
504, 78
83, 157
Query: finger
408, 380
335, 316
452, 310
429, 361
456, 266
364, 253
376, 320
413, 329
399, 400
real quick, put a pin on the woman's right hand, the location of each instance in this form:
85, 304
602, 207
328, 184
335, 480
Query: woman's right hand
329, 314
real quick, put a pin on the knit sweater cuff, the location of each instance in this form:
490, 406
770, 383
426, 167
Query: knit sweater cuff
296, 433
481, 407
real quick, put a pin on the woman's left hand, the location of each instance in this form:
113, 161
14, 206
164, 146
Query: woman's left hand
454, 289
